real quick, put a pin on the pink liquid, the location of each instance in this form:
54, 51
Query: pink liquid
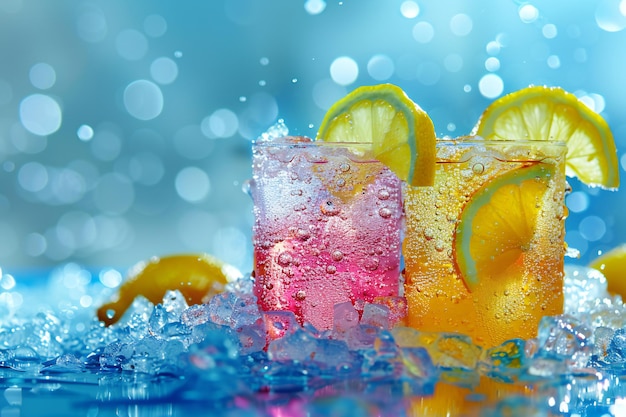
327, 229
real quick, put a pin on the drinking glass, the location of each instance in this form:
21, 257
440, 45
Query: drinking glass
327, 229
484, 247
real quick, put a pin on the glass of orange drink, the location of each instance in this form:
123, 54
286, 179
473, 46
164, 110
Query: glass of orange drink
484, 246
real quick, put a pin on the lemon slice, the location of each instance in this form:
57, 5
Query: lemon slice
196, 276
552, 114
401, 134
612, 264
497, 226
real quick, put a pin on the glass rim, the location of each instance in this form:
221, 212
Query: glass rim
458, 141
477, 140
312, 143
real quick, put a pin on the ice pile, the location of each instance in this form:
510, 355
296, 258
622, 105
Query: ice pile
227, 348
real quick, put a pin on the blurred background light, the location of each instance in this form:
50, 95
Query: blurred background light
125, 127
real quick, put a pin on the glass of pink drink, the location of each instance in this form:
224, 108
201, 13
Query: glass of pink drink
327, 228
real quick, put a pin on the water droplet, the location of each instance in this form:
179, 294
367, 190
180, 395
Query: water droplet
284, 259
300, 295
344, 167
303, 234
337, 255
328, 208
371, 264
478, 168
429, 233
384, 212
383, 194
341, 182
331, 269
296, 192
269, 286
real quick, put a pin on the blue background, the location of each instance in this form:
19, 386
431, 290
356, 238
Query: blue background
125, 126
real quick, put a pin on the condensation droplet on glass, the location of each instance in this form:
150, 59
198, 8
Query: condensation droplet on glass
344, 167
341, 182
284, 259
328, 208
337, 255
262, 83
451, 127
371, 264
467, 88
383, 194
384, 212
300, 295
478, 168
331, 269
303, 234
264, 61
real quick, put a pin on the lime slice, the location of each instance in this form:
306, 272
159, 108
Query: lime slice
552, 114
497, 226
401, 134
196, 276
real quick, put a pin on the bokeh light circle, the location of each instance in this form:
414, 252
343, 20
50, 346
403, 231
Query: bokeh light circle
380, 67
344, 70
143, 99
491, 86
164, 70
40, 114
192, 184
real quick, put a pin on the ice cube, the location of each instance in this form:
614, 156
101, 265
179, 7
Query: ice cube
418, 364
506, 360
376, 315
398, 309
279, 324
582, 289
564, 343
334, 354
298, 346
65, 363
195, 315
276, 131
447, 350
174, 303
345, 318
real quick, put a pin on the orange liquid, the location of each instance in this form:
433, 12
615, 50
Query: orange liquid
497, 308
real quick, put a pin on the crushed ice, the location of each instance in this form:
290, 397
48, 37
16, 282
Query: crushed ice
229, 339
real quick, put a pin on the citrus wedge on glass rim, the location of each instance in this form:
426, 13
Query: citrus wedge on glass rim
498, 225
197, 276
401, 134
553, 114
